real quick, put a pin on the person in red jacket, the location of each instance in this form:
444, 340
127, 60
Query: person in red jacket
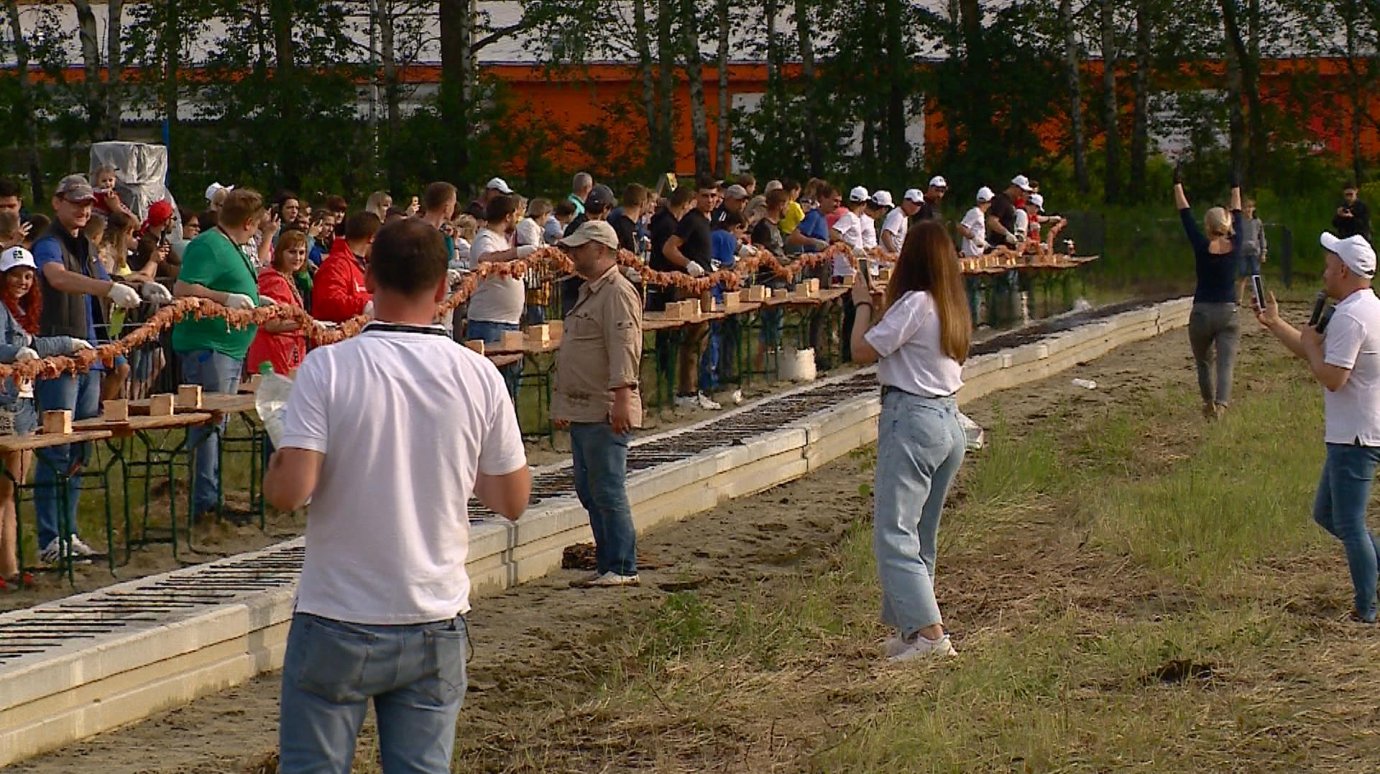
281, 343
339, 293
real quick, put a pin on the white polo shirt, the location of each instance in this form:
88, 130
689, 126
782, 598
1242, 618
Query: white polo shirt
898, 224
849, 226
868, 231
1353, 341
907, 338
975, 221
407, 418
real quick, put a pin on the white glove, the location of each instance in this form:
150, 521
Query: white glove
694, 269
122, 295
238, 301
25, 353
980, 244
525, 250
80, 344
155, 293
369, 309
1011, 239
453, 277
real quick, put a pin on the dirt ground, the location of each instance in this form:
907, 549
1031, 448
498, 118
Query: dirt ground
529, 641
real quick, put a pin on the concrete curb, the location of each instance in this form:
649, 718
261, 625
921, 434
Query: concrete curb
100, 683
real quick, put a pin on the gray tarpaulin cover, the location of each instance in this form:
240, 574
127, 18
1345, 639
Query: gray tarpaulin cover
140, 170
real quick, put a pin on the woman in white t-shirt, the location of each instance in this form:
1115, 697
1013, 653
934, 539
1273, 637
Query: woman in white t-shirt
921, 342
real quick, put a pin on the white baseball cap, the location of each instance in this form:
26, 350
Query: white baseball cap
985, 194
914, 196
1354, 251
16, 256
938, 181
882, 199
858, 194
500, 185
1038, 201
214, 188
1022, 182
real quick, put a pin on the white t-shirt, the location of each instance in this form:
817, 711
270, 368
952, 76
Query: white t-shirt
907, 338
976, 222
869, 231
407, 418
1353, 341
496, 299
528, 233
849, 226
897, 224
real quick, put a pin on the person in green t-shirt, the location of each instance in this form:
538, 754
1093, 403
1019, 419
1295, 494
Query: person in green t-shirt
215, 266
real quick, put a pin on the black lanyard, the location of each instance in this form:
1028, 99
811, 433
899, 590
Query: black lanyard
249, 267
383, 327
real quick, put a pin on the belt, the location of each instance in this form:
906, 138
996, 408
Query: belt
886, 389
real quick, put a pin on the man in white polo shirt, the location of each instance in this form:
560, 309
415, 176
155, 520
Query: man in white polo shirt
1346, 362
389, 434
897, 222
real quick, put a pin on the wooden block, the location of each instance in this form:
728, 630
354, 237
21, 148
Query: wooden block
780, 293
706, 304
732, 301
539, 334
812, 286
115, 410
755, 294
884, 273
512, 340
476, 344
57, 422
161, 405
557, 329
188, 396
849, 280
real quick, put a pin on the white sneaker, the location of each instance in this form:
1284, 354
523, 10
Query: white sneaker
52, 553
613, 579
737, 397
81, 549
705, 403
687, 401
921, 647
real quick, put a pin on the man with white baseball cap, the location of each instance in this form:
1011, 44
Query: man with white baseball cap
934, 196
1345, 360
1001, 216
479, 208
973, 227
897, 222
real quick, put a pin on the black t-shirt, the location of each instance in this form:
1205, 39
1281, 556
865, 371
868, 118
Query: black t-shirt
695, 241
626, 230
1004, 210
767, 235
716, 218
663, 226
926, 212
1358, 223
575, 223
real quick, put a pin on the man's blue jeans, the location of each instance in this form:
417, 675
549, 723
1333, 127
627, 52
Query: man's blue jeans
492, 333
1340, 508
81, 395
601, 474
415, 676
920, 446
215, 372
709, 361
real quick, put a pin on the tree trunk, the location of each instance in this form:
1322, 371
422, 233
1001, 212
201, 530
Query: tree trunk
457, 35
694, 73
643, 43
280, 13
897, 155
721, 148
1247, 79
771, 100
1074, 78
170, 46
1355, 94
25, 107
975, 68
114, 59
392, 92
664, 143
91, 67
1235, 118
814, 154
1110, 107
1140, 125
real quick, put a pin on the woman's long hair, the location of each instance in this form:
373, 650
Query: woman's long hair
26, 315
929, 262
287, 241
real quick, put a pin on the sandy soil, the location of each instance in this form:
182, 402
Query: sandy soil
529, 641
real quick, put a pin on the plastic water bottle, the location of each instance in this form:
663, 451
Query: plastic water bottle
1087, 384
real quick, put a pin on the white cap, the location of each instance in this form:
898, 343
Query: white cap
498, 184
16, 256
913, 195
1022, 182
984, 194
1038, 201
214, 188
772, 185
938, 181
1354, 251
882, 199
858, 194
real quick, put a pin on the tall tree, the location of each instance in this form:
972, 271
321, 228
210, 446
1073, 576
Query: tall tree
91, 67
1140, 122
1073, 76
666, 46
1111, 106
814, 153
694, 74
897, 156
114, 64
24, 109
457, 88
723, 30
642, 42
1247, 81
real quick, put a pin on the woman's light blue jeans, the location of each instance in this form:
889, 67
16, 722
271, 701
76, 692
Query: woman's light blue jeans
920, 446
1340, 508
215, 372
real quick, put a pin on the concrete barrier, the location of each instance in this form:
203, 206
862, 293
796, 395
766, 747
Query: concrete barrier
94, 684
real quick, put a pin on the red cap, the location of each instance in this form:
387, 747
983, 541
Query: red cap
160, 212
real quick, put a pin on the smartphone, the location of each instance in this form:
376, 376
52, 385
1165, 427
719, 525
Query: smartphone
1258, 288
865, 267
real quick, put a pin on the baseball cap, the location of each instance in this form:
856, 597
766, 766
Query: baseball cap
600, 198
592, 231
498, 184
1354, 251
1038, 201
75, 189
882, 199
985, 194
735, 192
160, 212
214, 188
1022, 182
16, 256
772, 185
938, 181
858, 194
913, 195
